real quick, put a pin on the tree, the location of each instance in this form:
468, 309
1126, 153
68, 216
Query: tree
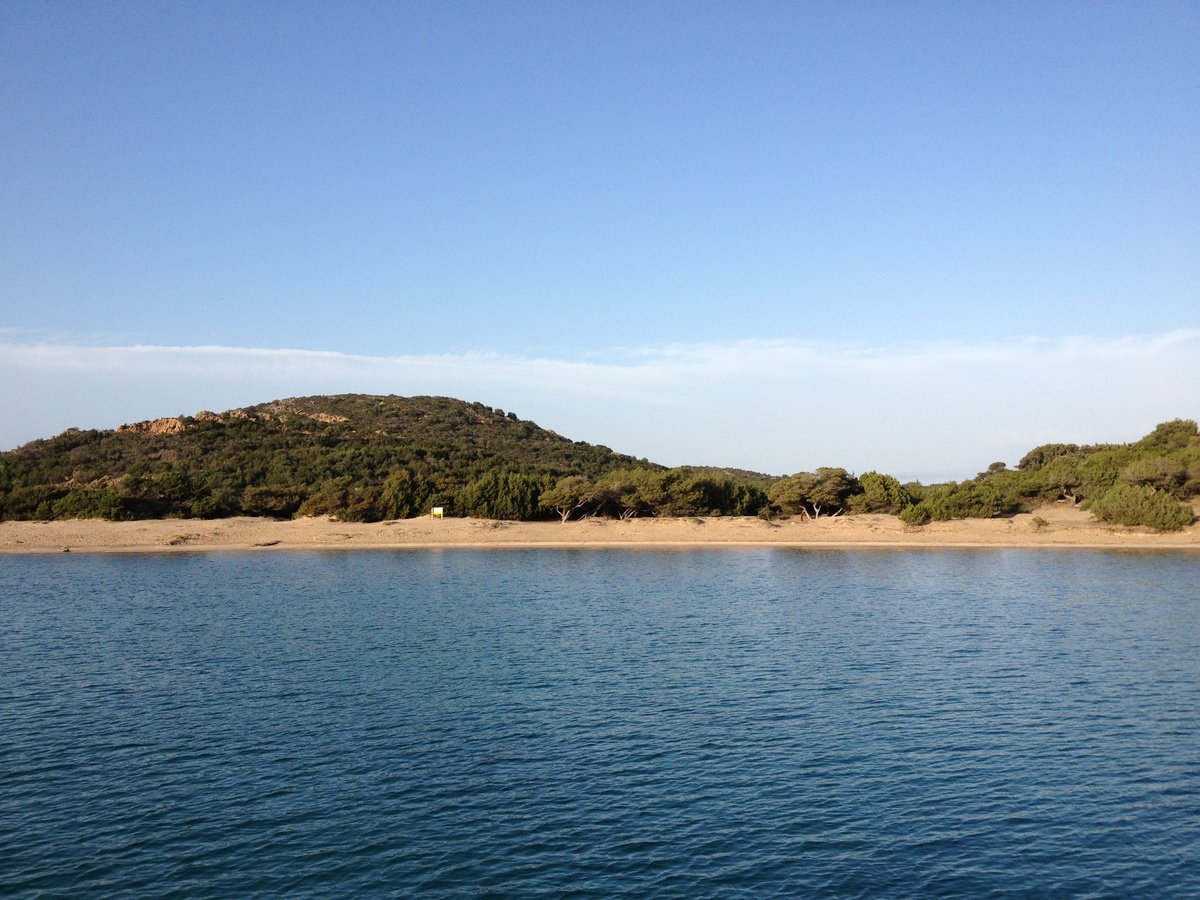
915, 515
502, 495
1156, 472
811, 493
568, 496
880, 494
404, 495
1137, 504
1062, 479
273, 502
627, 493
1041, 456
1176, 434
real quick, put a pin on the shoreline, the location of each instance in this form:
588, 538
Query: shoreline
1067, 528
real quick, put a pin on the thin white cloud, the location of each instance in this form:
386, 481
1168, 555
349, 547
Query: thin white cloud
933, 410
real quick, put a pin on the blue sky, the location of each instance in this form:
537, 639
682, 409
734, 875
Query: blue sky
599, 183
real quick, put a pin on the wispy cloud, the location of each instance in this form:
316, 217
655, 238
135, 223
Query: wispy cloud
931, 410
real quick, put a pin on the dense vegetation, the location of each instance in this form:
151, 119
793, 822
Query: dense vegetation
361, 458
1128, 484
364, 458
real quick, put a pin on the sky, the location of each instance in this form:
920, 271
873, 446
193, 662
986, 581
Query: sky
915, 237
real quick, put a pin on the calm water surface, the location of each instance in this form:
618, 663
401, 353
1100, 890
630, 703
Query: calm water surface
601, 724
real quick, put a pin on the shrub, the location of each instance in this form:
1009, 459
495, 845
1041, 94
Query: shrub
213, 506
1176, 434
502, 495
1156, 472
880, 493
696, 494
1137, 504
104, 503
404, 495
918, 514
968, 500
263, 501
34, 502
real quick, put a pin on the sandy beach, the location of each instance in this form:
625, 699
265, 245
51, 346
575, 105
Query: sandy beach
1067, 527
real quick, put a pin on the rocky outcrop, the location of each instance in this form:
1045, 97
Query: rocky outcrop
156, 426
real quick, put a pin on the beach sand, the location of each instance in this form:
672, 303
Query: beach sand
1067, 527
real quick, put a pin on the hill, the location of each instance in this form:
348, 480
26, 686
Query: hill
361, 457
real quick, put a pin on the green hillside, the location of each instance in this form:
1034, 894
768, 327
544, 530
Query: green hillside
360, 457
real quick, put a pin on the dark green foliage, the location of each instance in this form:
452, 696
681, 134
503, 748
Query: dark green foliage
880, 494
102, 503
570, 495
638, 491
967, 500
264, 501
1158, 473
1043, 455
357, 458
742, 476
360, 458
502, 495
1139, 504
405, 495
1164, 465
684, 492
915, 515
811, 494
33, 502
1174, 435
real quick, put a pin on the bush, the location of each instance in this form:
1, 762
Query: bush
104, 503
405, 495
695, 494
34, 502
1136, 504
1173, 435
880, 493
502, 495
968, 500
1158, 473
263, 501
213, 506
917, 514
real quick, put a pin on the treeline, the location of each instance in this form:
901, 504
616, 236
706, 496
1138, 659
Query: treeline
364, 458
1128, 484
1142, 483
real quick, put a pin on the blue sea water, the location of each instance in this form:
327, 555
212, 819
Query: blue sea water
729, 723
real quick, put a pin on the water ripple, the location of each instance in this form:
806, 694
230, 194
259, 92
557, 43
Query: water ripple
601, 724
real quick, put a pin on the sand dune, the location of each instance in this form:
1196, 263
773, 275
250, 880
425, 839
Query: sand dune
1068, 527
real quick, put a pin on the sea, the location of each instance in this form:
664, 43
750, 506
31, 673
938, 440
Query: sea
601, 723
